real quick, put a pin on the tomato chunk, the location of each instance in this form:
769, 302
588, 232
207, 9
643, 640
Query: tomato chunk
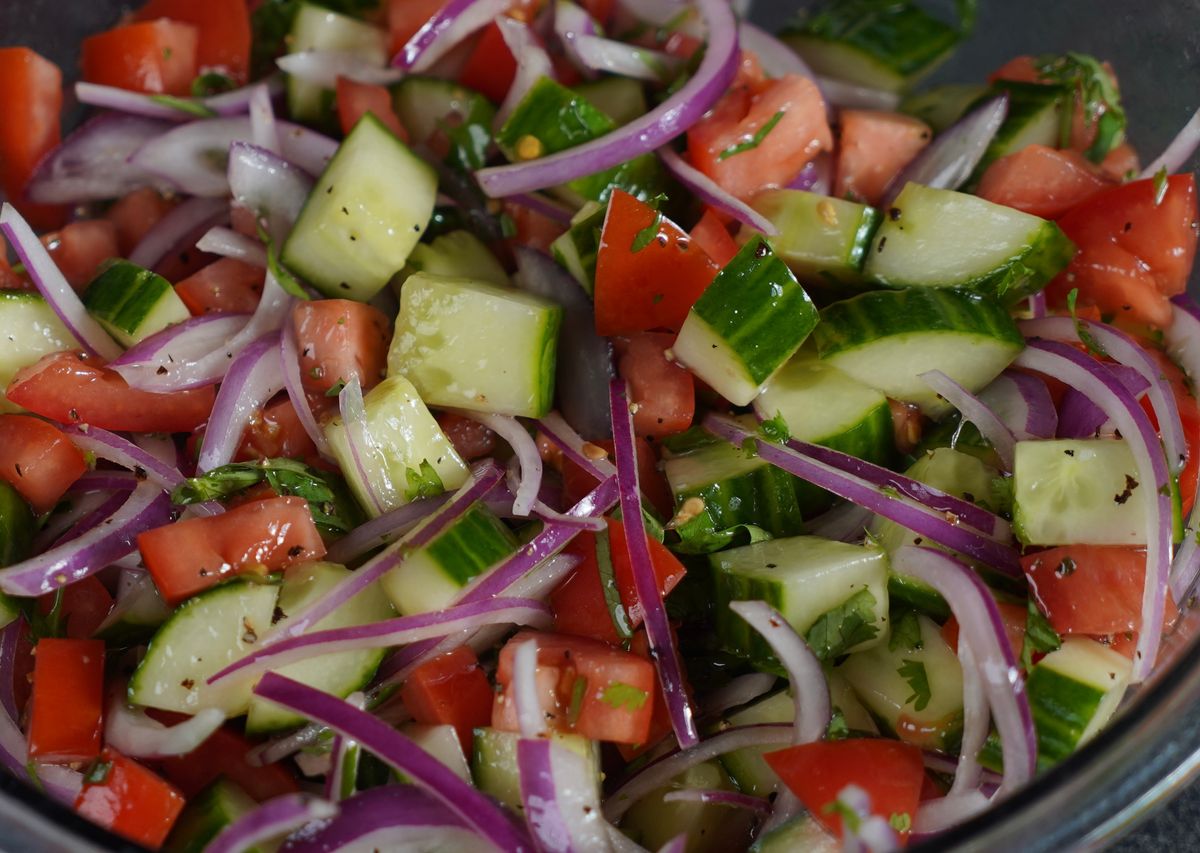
135, 214
470, 438
72, 387
490, 68
275, 432
38, 460
79, 248
1041, 180
354, 100
83, 608
892, 774
405, 17
224, 754
1014, 617
130, 800
262, 536
585, 686
156, 57
31, 98
222, 32
67, 703
452, 689
713, 238
874, 147
663, 391
577, 482
225, 286
339, 340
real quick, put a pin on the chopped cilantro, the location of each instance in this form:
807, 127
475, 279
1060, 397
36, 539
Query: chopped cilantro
775, 429
578, 692
838, 729
423, 483
212, 83
850, 623
1160, 185
97, 773
335, 390
754, 141
622, 696
906, 632
1040, 636
1081, 329
901, 821
608, 584
1097, 90
183, 105
913, 671
646, 236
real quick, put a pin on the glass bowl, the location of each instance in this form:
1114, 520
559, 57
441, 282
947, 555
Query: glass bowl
1152, 749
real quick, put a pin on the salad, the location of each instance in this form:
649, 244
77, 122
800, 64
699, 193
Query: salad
596, 425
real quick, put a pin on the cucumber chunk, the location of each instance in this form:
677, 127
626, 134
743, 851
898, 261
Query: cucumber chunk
577, 249
803, 832
622, 99
206, 814
139, 610
476, 346
820, 238
405, 445
442, 743
457, 254
29, 329
318, 28
746, 324
366, 212
887, 339
339, 674
494, 762
429, 579
834, 592
711, 828
427, 106
942, 106
132, 303
942, 238
1035, 117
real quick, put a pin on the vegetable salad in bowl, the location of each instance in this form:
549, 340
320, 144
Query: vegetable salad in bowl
579, 426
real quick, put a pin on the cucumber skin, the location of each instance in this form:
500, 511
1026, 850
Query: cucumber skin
17, 526
1025, 101
479, 526
871, 439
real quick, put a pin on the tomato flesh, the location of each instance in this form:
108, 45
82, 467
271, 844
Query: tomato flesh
135, 214
224, 754
131, 800
155, 57
354, 100
663, 391
226, 286
1041, 180
873, 148
451, 689
31, 94
275, 432
38, 460
79, 248
83, 608
340, 340
491, 68
471, 439
222, 32
66, 706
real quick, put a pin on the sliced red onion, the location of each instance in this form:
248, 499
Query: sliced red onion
976, 721
652, 131
1084, 373
398, 751
561, 800
10, 640
93, 519
1183, 346
238, 102
289, 356
228, 243
82, 507
816, 176
708, 191
120, 451
616, 57
1037, 305
341, 778
193, 337
102, 481
179, 229
273, 819
937, 815
844, 523
525, 448
130, 732
546, 513
852, 96
146, 507
135, 103
545, 207
872, 832
1124, 350
786, 806
253, 379
572, 445
776, 58
658, 627
92, 163
383, 530
739, 691
530, 718
1023, 403
973, 409
454, 22
661, 771
1179, 152
570, 23
364, 454
953, 155
810, 691
324, 67
719, 797
533, 63
1078, 417
585, 366
51, 283
264, 129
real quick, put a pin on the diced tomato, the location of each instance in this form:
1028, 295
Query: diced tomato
258, 537
713, 238
338, 340
67, 704
224, 754
227, 285
577, 482
1090, 589
892, 774
84, 605
79, 248
585, 686
668, 571
873, 148
534, 229
1019, 69
452, 689
1134, 252
135, 214
471, 439
490, 68
600, 10
38, 460
648, 273
275, 432
354, 100
132, 801
1014, 617
72, 387
31, 99
222, 28
157, 57
405, 17
1041, 180
9, 280
663, 391
660, 717
783, 128
1120, 163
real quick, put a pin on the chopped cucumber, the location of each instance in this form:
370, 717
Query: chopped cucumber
339, 674
821, 239
317, 28
366, 212
916, 692
920, 596
29, 329
494, 762
576, 250
428, 105
442, 743
476, 346
1078, 492
887, 339
802, 832
204, 635
427, 580
1035, 117
622, 99
942, 106
132, 303
206, 814
139, 610
17, 526
710, 828
457, 254
833, 592
887, 46
746, 767
405, 446
746, 324
941, 238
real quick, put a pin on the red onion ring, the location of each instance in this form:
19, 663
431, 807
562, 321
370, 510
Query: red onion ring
120, 451
324, 67
719, 797
562, 436
977, 412
1023, 403
1183, 346
453, 22
179, 229
228, 243
289, 356
1179, 151
533, 63
560, 797
527, 455
253, 379
130, 732
530, 718
277, 817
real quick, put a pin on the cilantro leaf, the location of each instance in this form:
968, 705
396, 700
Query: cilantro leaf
913, 671
646, 236
1160, 185
608, 584
578, 693
1040, 636
423, 483
906, 632
622, 696
755, 140
900, 821
183, 105
1081, 329
850, 623
775, 429
838, 729
1097, 90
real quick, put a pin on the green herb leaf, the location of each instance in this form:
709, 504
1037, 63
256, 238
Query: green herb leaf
183, 105
850, 623
906, 632
646, 236
335, 390
850, 818
50, 624
1081, 328
775, 429
913, 671
1097, 90
754, 141
901, 821
620, 695
838, 728
608, 584
423, 483
97, 773
1040, 636
1160, 185
212, 83
31, 767
578, 692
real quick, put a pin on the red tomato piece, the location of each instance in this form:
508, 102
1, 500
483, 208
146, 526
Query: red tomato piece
38, 460
80, 247
135, 214
471, 439
84, 605
1041, 180
713, 238
130, 800
262, 536
338, 340
156, 57
405, 17
1189, 416
1121, 163
275, 432
71, 387
490, 68
228, 285
873, 148
668, 571
1014, 617
577, 482
67, 703
9, 280
648, 273
892, 774
663, 391
451, 689
224, 754
354, 100
31, 97
534, 229
222, 32
585, 686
